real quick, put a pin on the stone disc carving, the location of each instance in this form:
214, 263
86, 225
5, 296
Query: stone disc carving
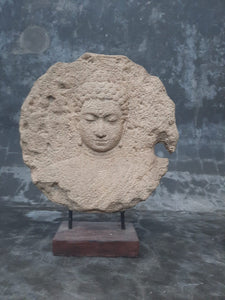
88, 131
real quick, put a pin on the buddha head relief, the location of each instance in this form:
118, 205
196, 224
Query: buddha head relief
102, 110
81, 108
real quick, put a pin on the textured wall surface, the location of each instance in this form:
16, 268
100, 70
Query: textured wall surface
181, 42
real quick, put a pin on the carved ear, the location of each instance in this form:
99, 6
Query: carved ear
79, 141
76, 119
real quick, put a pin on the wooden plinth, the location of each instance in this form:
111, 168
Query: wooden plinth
105, 239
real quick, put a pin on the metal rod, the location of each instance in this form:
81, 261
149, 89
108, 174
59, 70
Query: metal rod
70, 219
122, 219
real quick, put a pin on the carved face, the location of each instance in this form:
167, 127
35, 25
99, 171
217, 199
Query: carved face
101, 124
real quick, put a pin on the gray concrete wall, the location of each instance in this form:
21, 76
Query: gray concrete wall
181, 42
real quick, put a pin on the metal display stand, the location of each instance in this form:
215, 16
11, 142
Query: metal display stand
104, 239
70, 219
122, 219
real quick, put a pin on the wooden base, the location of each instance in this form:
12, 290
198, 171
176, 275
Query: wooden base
105, 239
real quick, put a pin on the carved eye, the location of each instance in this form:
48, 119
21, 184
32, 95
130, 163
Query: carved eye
111, 118
90, 117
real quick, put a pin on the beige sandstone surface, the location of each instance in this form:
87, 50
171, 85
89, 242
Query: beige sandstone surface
88, 131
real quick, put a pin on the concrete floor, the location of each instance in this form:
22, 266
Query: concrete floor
182, 256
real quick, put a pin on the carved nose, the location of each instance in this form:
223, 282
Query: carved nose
100, 135
99, 130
